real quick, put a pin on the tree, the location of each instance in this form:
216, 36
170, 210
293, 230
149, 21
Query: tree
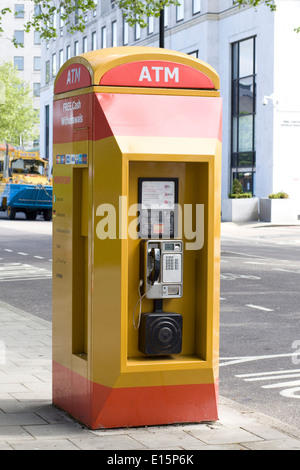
18, 119
72, 13
254, 3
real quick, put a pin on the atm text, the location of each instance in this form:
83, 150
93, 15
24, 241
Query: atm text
158, 74
73, 76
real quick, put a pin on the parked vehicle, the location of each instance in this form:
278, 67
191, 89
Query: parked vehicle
24, 185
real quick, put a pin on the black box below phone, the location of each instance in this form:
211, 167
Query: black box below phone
160, 333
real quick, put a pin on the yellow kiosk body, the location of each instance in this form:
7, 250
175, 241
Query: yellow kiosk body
136, 342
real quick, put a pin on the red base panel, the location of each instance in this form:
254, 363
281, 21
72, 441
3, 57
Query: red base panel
98, 406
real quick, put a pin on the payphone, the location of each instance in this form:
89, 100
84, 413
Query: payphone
162, 268
161, 260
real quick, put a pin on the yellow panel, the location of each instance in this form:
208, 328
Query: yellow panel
116, 265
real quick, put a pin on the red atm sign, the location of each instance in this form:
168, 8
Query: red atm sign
156, 73
147, 73
73, 77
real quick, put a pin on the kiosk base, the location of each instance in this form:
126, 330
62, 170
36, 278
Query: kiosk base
99, 406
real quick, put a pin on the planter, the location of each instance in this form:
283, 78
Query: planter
278, 211
240, 210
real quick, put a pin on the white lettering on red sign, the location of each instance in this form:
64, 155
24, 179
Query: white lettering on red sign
157, 74
73, 76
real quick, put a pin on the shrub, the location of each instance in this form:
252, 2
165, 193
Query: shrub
237, 191
240, 196
280, 195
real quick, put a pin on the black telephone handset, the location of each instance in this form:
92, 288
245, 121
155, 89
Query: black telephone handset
155, 254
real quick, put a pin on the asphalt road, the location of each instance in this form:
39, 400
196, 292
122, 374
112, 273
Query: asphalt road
26, 265
260, 319
259, 306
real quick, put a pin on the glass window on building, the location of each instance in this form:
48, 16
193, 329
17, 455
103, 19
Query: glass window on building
54, 65
166, 16
76, 48
243, 113
137, 32
61, 17
95, 11
150, 25
36, 64
48, 71
61, 58
19, 10
54, 21
37, 10
125, 32
180, 11
36, 89
84, 44
19, 62
68, 52
94, 41
76, 13
19, 37
114, 32
37, 38
103, 37
196, 6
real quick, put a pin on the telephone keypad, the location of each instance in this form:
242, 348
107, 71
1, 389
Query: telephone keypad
169, 263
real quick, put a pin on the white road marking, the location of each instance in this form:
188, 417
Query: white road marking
232, 277
272, 377
265, 374
290, 388
258, 307
293, 392
230, 361
22, 272
248, 256
259, 263
287, 270
283, 384
24, 254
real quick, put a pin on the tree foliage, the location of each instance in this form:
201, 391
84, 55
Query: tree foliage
18, 118
72, 13
255, 3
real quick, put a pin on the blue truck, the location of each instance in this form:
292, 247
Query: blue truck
24, 185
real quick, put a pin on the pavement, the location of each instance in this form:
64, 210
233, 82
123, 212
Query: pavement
29, 420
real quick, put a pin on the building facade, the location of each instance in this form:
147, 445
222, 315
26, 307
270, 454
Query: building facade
255, 53
27, 59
